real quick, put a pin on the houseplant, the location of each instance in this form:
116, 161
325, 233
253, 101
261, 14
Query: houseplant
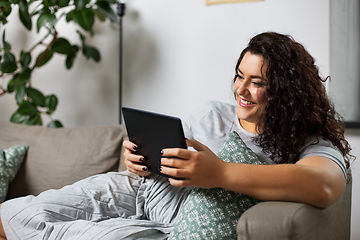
44, 15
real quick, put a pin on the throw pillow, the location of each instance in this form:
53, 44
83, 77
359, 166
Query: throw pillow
10, 163
213, 213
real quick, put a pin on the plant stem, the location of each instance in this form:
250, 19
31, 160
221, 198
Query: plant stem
3, 90
42, 55
40, 42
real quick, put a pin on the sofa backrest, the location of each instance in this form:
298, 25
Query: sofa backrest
62, 156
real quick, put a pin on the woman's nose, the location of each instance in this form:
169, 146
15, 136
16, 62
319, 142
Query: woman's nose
242, 89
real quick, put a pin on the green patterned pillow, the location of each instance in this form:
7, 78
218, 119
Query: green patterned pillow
10, 163
213, 213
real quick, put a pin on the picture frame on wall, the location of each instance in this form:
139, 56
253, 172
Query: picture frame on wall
210, 2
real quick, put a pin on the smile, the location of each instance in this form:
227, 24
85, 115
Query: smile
245, 103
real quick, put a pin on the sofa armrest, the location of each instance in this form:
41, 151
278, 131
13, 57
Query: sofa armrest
297, 221
278, 220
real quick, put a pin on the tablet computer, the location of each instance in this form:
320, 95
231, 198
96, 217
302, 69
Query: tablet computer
152, 132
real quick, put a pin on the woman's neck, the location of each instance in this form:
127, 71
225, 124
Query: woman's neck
249, 126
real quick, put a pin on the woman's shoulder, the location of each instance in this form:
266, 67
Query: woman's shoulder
320, 147
213, 119
214, 109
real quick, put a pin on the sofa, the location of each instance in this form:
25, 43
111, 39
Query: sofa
58, 157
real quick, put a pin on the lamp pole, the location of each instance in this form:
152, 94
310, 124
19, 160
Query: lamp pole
121, 13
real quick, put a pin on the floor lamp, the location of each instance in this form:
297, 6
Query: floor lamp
121, 13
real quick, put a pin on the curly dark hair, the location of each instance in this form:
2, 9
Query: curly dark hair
296, 103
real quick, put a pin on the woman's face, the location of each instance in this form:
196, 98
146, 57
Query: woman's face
249, 87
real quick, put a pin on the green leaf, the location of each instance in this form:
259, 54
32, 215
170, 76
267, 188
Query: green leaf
46, 18
99, 15
105, 8
11, 86
9, 57
61, 46
80, 4
85, 18
55, 124
34, 120
36, 96
70, 16
3, 19
51, 102
9, 63
4, 3
82, 37
91, 52
5, 10
44, 58
6, 45
49, 3
8, 67
25, 75
44, 10
25, 59
24, 14
63, 3
70, 58
20, 93
17, 117
27, 108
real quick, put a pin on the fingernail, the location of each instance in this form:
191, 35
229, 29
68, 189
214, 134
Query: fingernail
135, 147
141, 159
144, 169
162, 152
160, 168
160, 161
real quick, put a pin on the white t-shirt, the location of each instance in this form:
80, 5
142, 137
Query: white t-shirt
211, 124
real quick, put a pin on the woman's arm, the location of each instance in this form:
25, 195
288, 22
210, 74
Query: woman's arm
317, 181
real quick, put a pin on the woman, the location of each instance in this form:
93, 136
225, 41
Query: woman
283, 115
282, 102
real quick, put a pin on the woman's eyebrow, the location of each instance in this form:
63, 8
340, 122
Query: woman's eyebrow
252, 76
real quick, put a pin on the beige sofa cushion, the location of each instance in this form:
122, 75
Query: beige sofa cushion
58, 157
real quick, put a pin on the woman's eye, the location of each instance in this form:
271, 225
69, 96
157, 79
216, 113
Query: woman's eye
239, 76
258, 84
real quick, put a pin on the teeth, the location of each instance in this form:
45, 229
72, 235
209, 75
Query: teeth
246, 102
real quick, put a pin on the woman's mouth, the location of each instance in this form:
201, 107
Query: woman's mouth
245, 103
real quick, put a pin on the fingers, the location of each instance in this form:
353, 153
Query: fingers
200, 168
133, 162
196, 145
176, 152
138, 169
130, 145
179, 183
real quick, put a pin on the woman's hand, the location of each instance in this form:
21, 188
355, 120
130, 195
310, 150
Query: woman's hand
201, 168
134, 162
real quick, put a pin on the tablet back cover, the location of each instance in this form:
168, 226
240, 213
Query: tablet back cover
152, 132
